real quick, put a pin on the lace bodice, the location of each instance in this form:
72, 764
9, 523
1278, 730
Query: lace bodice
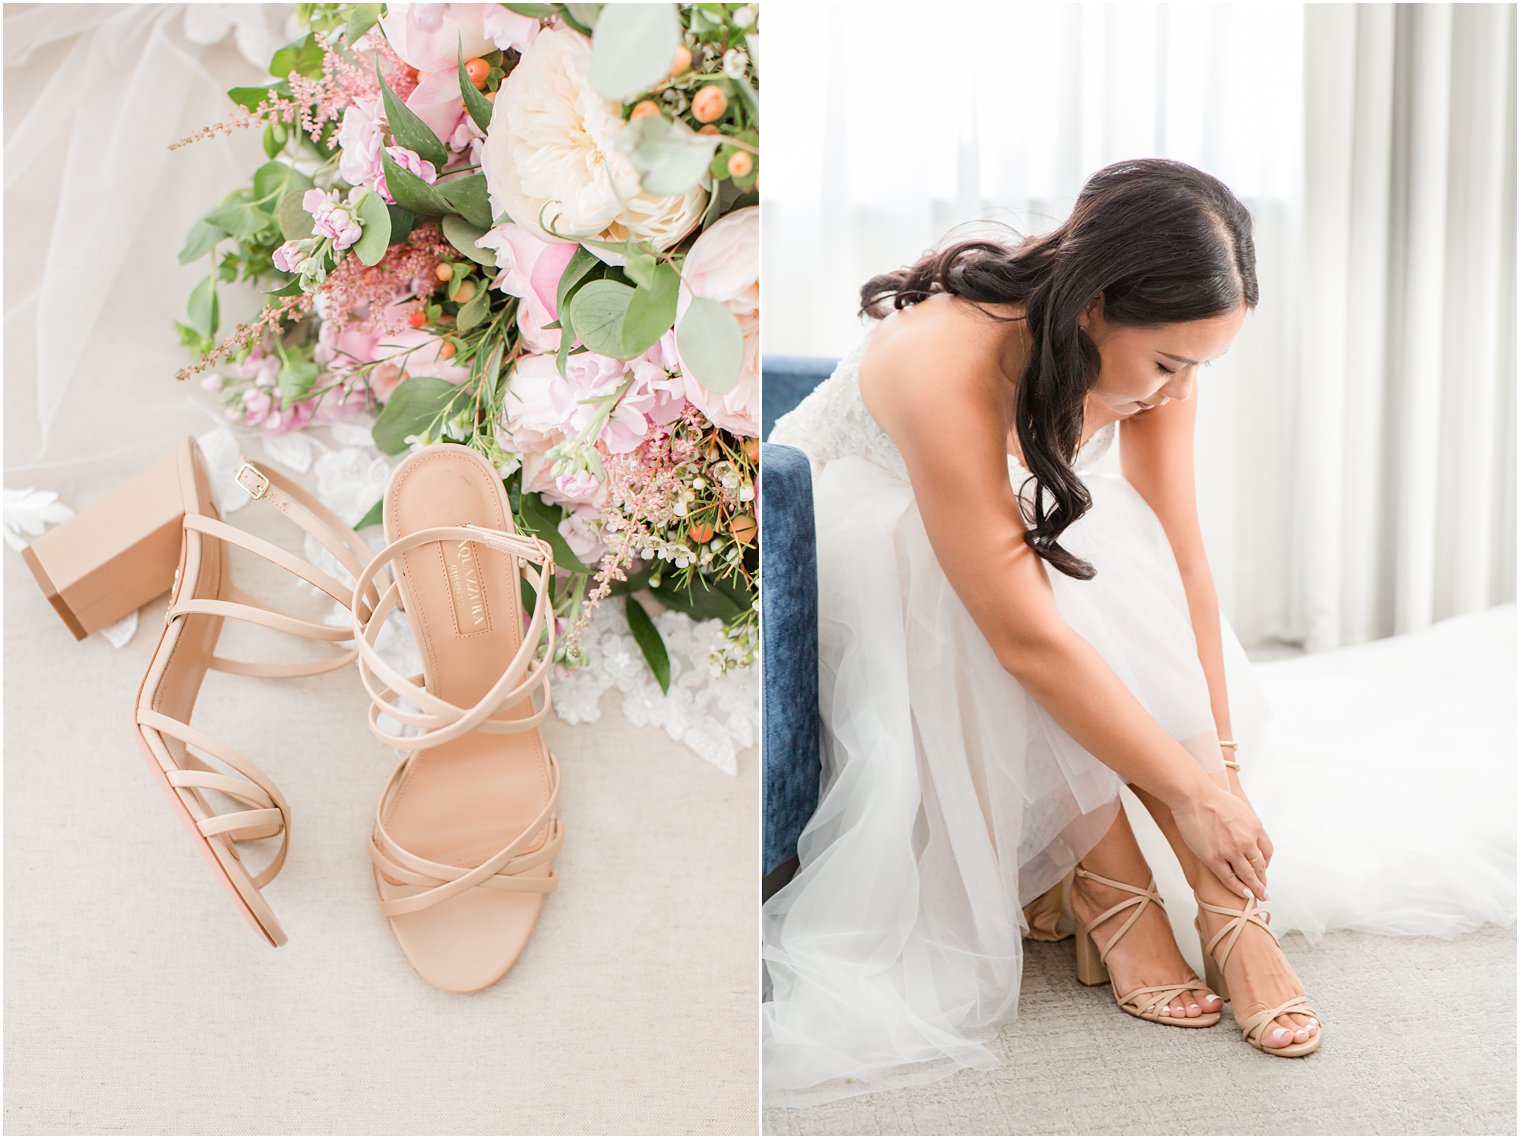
832, 422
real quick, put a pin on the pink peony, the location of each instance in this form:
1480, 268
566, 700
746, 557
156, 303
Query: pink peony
430, 36
724, 265
530, 269
506, 29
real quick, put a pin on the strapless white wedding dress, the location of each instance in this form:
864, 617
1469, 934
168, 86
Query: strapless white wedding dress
951, 799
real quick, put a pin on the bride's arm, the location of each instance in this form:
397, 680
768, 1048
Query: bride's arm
937, 397
1156, 457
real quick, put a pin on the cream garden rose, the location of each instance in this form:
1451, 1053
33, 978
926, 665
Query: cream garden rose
552, 146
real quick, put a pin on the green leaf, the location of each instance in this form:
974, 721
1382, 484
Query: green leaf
543, 520
376, 238
711, 344
290, 288
295, 223
402, 220
477, 104
651, 312
274, 139
274, 180
249, 97
239, 220
597, 310
536, 11
205, 313
468, 198
200, 241
703, 598
408, 130
304, 56
670, 157
411, 192
373, 516
640, 268
462, 236
361, 19
651, 644
411, 410
632, 47
474, 310
581, 263
581, 17
296, 380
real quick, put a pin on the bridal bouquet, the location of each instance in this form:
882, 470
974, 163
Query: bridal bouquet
531, 229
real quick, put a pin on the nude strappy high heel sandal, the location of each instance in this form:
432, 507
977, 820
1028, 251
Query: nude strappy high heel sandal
200, 774
466, 829
1254, 1026
1092, 967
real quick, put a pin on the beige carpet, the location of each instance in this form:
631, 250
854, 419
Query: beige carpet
1419, 1040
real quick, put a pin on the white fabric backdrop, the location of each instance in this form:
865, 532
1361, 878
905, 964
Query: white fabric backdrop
901, 125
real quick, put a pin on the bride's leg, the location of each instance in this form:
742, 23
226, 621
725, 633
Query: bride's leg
1258, 974
1148, 954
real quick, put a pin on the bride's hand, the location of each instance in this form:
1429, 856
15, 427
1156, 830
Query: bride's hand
1225, 834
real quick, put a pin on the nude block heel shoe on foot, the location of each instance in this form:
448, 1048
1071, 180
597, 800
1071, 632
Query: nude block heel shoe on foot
222, 797
1254, 1026
1092, 962
466, 829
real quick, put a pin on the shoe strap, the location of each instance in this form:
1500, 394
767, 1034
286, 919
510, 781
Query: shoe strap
1168, 991
1258, 1021
263, 804
523, 677
1231, 930
439, 881
1138, 903
327, 529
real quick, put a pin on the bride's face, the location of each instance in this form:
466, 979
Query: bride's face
1146, 367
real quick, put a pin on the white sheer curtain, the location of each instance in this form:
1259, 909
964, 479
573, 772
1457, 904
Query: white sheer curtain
901, 121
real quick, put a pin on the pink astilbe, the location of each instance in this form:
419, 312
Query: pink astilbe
353, 287
293, 308
346, 78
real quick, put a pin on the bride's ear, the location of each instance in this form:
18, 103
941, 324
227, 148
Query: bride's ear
1092, 313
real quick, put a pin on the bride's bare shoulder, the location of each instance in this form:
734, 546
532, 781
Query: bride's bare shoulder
943, 348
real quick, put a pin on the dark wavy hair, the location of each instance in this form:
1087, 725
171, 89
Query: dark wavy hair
1160, 241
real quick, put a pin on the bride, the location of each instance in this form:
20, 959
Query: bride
1007, 639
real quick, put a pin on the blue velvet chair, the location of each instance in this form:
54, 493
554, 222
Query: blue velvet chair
789, 643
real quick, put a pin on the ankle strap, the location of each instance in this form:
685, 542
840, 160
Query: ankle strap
1252, 914
524, 676
1141, 899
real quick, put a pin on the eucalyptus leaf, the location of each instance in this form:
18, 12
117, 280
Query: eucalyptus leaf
650, 643
463, 236
544, 520
402, 220
640, 267
581, 17
475, 103
581, 264
670, 157
651, 312
597, 310
411, 410
273, 180
240, 220
304, 56
535, 11
361, 18
474, 310
410, 191
711, 344
200, 241
376, 238
296, 380
295, 223
274, 139
407, 129
249, 97
203, 307
468, 197
632, 47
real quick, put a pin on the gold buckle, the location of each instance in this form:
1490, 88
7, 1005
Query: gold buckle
260, 487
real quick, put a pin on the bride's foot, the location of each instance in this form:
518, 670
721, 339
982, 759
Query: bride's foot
1256, 975
1146, 954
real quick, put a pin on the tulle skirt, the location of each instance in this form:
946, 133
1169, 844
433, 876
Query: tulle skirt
951, 799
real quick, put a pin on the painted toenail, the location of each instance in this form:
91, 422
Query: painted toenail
1279, 1032
1191, 1007
1213, 996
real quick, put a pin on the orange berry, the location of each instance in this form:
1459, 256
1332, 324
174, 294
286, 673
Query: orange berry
478, 70
446, 349
417, 318
700, 532
709, 103
491, 96
744, 529
444, 272
752, 450
681, 61
740, 164
644, 109
709, 129
465, 292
